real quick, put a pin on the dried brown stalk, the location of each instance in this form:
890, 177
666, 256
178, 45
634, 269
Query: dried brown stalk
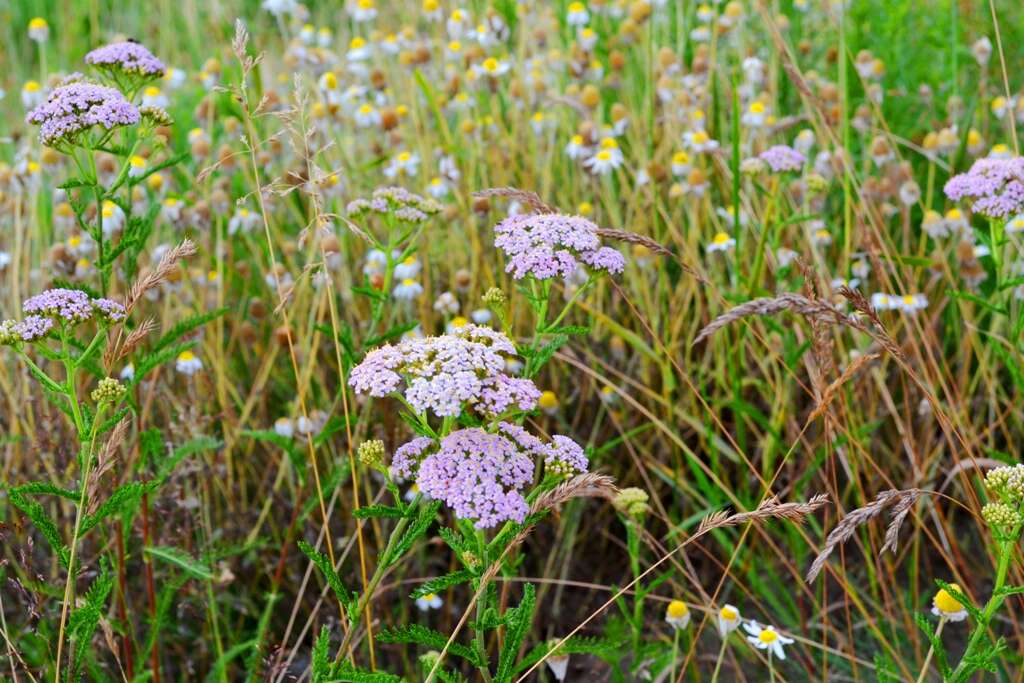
809, 308
770, 508
901, 503
832, 389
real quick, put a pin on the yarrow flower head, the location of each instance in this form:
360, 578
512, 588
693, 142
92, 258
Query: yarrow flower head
993, 187
781, 158
73, 306
479, 475
72, 111
553, 245
404, 205
126, 59
31, 329
445, 373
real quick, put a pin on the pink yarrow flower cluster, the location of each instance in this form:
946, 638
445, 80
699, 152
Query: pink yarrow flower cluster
553, 245
993, 187
129, 57
74, 109
782, 158
58, 307
481, 475
444, 374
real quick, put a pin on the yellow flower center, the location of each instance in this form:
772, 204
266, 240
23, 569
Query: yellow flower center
604, 155
408, 282
459, 321
37, 23
186, 356
721, 238
728, 614
609, 143
577, 7
357, 43
491, 64
548, 399
756, 108
677, 609
945, 602
429, 597
31, 86
455, 46
768, 636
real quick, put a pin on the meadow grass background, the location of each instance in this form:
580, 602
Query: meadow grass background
719, 424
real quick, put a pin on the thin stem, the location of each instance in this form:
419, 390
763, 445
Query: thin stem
721, 656
931, 651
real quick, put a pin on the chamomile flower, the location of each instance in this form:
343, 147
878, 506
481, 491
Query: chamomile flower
446, 304
427, 602
38, 30
728, 620
457, 23
188, 363
1000, 106
407, 290
548, 402
721, 242
363, 10
945, 606
911, 303
152, 96
408, 268
558, 663
587, 38
366, 116
576, 148
136, 166
402, 164
284, 426
755, 115
358, 50
607, 158
127, 372
432, 10
1015, 224
681, 164
31, 94
728, 215
677, 614
767, 638
243, 220
699, 141
174, 78
481, 316
577, 14
491, 68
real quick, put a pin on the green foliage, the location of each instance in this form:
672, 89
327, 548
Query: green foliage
35, 512
442, 583
428, 638
518, 622
345, 597
182, 560
84, 619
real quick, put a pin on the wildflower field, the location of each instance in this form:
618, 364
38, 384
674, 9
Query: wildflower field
511, 340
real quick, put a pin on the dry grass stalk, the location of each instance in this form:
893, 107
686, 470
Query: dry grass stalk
770, 508
902, 502
105, 460
809, 308
163, 269
589, 485
531, 199
832, 389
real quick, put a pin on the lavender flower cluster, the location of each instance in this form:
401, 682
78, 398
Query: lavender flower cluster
73, 306
127, 57
75, 108
31, 329
782, 158
481, 475
993, 187
404, 205
553, 245
443, 374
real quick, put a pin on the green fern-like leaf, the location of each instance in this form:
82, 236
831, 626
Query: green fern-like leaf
518, 621
124, 496
427, 513
183, 561
415, 634
35, 512
323, 563
440, 583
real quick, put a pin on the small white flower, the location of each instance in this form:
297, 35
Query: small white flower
32, 94
403, 163
446, 303
699, 141
407, 290
38, 30
152, 96
767, 638
284, 426
428, 602
367, 116
188, 363
577, 14
363, 10
945, 606
559, 665
576, 149
728, 620
408, 268
128, 372
481, 316
243, 221
608, 158
721, 242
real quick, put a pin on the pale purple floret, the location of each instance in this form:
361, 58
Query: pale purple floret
32, 328
75, 108
479, 475
551, 245
501, 393
126, 56
110, 311
993, 187
70, 305
444, 374
407, 457
565, 454
606, 259
782, 158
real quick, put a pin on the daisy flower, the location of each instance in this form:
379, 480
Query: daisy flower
188, 363
407, 290
38, 30
767, 638
427, 602
699, 141
945, 606
721, 242
677, 614
607, 159
577, 14
728, 620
